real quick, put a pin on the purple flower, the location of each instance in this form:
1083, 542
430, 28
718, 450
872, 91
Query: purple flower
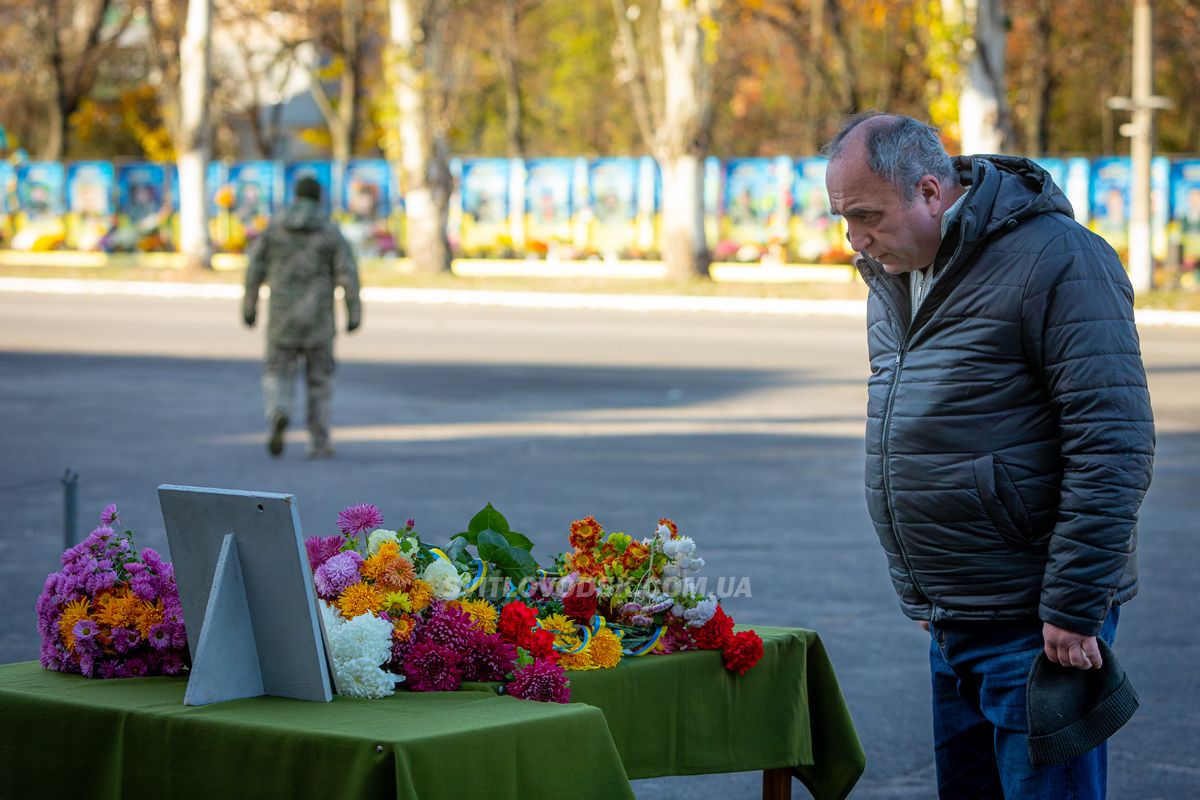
542, 680
160, 636
152, 559
146, 586
432, 668
322, 548
136, 668
108, 669
358, 519
487, 657
109, 515
85, 630
449, 627
125, 639
336, 574
171, 662
410, 523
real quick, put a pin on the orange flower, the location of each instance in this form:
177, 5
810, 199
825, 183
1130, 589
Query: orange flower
670, 524
634, 556
149, 615
421, 595
585, 533
399, 576
119, 609
402, 628
75, 611
359, 598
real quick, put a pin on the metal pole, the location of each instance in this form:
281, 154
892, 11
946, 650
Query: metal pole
70, 482
1141, 260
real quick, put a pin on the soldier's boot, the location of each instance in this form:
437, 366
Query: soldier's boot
275, 429
278, 383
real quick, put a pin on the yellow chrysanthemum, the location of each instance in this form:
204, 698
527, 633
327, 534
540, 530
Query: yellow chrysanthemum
397, 601
149, 615
482, 613
118, 610
359, 598
577, 662
402, 628
558, 623
605, 649
421, 595
73, 613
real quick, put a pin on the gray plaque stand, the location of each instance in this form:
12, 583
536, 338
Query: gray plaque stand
247, 595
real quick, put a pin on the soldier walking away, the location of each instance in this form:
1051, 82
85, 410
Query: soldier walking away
302, 256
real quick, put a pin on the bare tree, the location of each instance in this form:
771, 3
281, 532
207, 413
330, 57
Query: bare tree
75, 37
342, 113
417, 57
671, 85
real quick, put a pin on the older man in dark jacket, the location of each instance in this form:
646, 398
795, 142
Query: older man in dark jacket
303, 257
1010, 438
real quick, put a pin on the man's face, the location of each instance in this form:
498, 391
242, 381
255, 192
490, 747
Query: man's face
900, 235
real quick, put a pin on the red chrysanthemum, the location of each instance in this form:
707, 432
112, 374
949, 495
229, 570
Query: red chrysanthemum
743, 651
515, 619
579, 603
432, 668
487, 658
539, 643
714, 634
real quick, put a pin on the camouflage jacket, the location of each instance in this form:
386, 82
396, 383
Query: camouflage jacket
302, 256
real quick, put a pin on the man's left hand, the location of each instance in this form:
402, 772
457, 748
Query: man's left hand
1069, 649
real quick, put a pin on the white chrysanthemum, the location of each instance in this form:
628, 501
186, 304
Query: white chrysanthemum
378, 537
679, 548
443, 579
368, 636
702, 613
408, 546
360, 678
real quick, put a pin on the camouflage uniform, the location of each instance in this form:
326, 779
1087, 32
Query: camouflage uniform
302, 256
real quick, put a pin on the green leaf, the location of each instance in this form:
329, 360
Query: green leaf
513, 562
487, 519
490, 544
518, 540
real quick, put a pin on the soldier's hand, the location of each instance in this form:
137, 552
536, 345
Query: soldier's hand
353, 323
249, 317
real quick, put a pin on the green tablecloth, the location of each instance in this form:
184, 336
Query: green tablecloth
64, 735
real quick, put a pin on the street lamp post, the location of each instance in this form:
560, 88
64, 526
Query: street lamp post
1140, 130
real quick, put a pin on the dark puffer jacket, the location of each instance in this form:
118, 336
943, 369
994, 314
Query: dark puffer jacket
1009, 438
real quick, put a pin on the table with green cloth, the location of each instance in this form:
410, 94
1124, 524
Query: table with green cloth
682, 714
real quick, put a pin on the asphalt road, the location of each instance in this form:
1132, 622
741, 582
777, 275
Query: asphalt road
746, 430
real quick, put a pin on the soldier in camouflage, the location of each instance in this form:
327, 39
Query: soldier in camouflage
302, 256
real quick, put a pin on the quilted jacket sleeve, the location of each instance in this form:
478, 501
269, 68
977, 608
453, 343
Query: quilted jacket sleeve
1080, 335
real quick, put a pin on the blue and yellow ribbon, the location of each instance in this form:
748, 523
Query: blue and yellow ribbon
649, 646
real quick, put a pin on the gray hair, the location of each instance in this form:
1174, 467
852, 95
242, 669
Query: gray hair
900, 149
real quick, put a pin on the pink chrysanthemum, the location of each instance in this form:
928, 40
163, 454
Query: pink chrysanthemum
336, 574
542, 680
354, 520
487, 657
322, 548
431, 667
109, 515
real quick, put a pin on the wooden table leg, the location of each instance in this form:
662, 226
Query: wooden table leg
777, 783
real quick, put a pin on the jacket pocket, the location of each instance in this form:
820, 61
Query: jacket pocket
1001, 502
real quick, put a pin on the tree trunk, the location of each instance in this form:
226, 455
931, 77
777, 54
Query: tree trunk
194, 145
425, 174
983, 115
510, 48
682, 136
55, 145
1041, 83
347, 109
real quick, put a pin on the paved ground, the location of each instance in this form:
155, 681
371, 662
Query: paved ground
747, 430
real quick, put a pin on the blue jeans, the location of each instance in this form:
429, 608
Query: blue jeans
980, 724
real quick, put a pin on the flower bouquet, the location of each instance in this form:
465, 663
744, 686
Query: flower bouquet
112, 612
481, 609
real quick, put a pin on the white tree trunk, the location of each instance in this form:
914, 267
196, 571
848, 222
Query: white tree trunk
425, 174
983, 115
683, 246
194, 136
682, 137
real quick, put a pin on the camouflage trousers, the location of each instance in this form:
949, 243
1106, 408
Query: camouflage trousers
279, 385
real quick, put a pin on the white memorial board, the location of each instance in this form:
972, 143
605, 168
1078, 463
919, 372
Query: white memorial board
247, 595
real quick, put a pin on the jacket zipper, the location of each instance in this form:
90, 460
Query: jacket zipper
887, 483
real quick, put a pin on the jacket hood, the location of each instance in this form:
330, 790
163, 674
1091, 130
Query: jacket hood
1004, 190
304, 214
